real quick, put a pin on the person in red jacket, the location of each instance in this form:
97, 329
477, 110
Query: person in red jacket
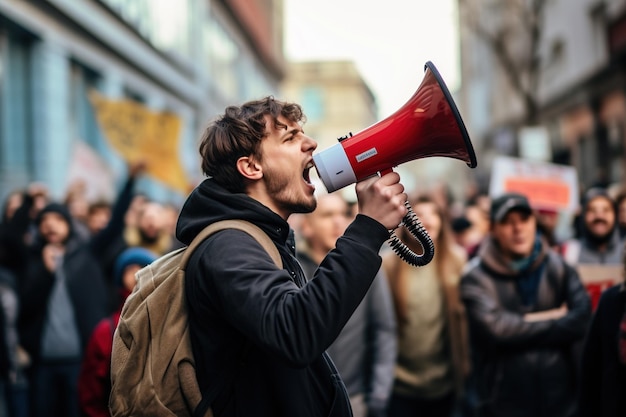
94, 383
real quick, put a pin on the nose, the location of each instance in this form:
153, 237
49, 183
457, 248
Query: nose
309, 143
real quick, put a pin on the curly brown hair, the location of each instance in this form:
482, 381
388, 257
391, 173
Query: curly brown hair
237, 133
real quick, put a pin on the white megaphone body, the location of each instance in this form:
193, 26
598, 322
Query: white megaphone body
428, 125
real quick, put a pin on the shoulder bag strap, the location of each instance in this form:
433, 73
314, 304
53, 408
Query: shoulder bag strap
243, 225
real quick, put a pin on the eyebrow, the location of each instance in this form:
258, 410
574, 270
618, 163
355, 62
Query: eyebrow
293, 131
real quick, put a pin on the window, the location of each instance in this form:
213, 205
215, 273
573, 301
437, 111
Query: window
166, 24
84, 125
15, 110
313, 102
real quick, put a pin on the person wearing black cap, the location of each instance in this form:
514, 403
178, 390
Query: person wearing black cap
527, 310
62, 297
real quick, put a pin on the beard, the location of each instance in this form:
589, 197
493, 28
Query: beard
148, 239
599, 239
279, 186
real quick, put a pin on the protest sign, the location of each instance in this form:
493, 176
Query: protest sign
598, 277
137, 133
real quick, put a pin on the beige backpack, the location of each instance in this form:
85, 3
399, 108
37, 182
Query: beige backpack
152, 365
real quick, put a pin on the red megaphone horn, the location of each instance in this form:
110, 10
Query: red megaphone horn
429, 124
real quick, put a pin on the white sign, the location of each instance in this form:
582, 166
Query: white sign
88, 167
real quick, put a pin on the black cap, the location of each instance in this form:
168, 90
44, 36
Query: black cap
501, 206
460, 224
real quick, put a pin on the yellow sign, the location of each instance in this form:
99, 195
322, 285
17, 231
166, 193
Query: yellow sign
139, 134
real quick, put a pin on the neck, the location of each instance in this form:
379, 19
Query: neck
258, 192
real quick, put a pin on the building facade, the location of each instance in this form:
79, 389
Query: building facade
189, 58
579, 90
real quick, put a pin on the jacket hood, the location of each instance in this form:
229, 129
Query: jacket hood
209, 203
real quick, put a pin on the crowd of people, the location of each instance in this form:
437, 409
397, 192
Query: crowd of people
66, 268
498, 324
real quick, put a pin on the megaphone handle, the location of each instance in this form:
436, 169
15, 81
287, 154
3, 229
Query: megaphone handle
413, 224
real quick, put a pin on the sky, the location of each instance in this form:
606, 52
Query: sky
389, 41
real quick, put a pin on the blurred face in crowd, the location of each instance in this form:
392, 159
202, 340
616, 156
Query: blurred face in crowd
549, 218
128, 277
54, 228
515, 234
79, 207
599, 217
327, 223
151, 222
479, 220
98, 218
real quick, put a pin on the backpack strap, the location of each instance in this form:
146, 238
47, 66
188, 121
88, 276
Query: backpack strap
265, 241
243, 225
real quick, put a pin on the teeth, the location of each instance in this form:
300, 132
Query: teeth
309, 165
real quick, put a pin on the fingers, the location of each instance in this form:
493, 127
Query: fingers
383, 198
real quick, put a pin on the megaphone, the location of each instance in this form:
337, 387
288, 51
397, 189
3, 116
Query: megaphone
428, 125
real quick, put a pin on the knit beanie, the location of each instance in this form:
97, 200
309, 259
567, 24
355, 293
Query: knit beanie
55, 208
131, 256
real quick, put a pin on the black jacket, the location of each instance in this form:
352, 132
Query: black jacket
603, 390
86, 287
259, 334
524, 368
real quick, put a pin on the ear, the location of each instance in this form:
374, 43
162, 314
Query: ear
249, 168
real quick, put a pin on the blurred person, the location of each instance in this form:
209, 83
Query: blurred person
171, 217
12, 202
98, 216
38, 191
258, 160
13, 399
34, 198
94, 383
62, 297
365, 350
76, 200
547, 222
527, 309
136, 204
78, 205
152, 229
17, 228
107, 224
433, 357
603, 371
461, 230
478, 218
600, 242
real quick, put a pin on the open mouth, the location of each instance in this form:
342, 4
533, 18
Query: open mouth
306, 173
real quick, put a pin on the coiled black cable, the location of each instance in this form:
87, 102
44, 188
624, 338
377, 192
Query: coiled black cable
413, 224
